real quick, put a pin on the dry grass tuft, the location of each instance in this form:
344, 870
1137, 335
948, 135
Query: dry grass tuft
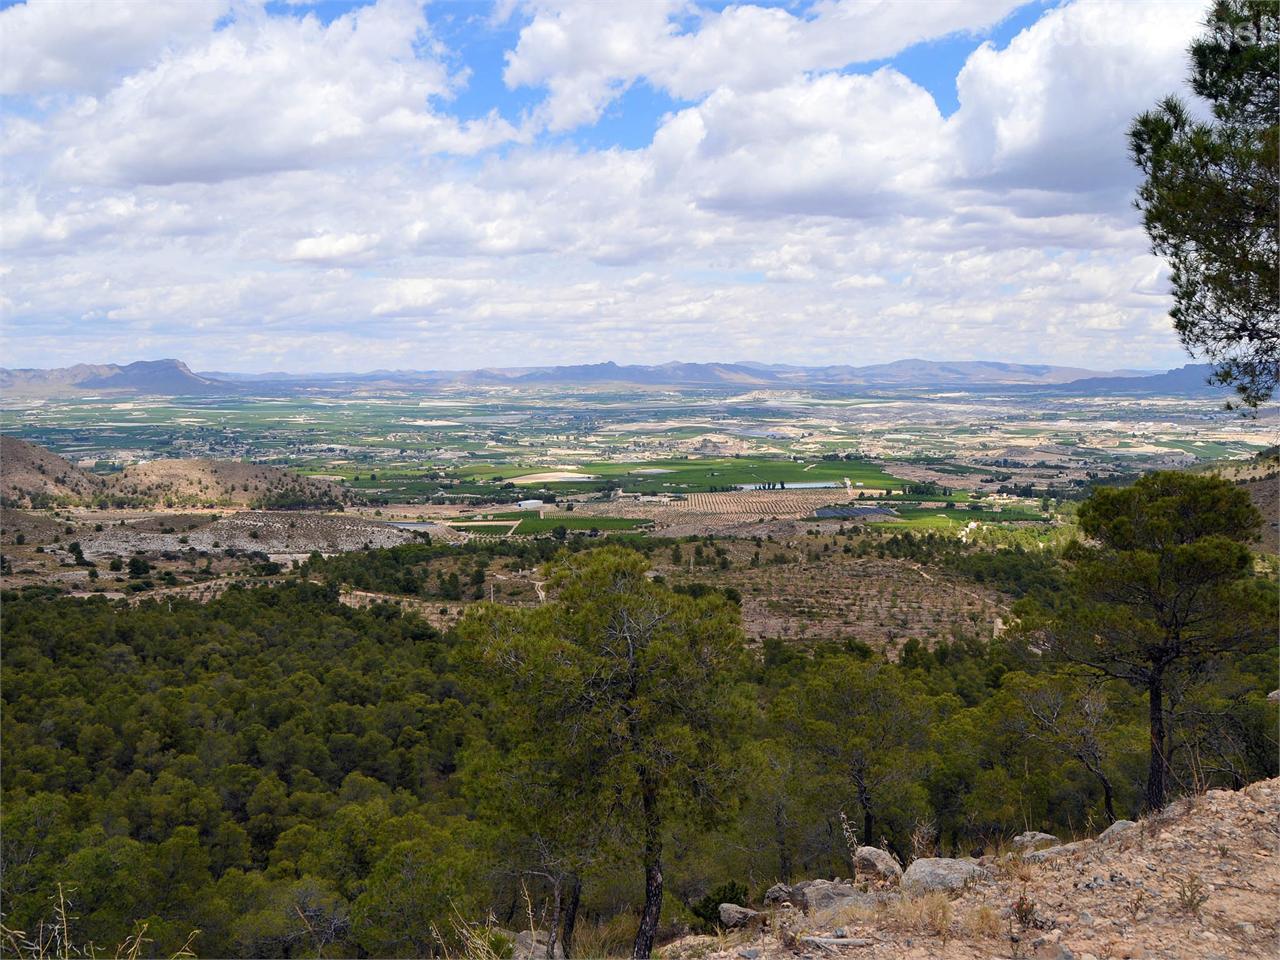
605, 938
983, 922
931, 913
1015, 866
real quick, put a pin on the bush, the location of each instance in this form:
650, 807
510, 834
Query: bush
707, 909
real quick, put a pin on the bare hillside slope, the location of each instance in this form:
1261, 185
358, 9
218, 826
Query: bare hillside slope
29, 472
223, 483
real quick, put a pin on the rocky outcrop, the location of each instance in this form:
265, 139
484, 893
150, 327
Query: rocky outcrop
1112, 900
878, 864
778, 894
1033, 840
1117, 830
1061, 850
815, 895
733, 916
930, 874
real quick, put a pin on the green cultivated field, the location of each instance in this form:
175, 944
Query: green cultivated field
534, 524
924, 518
696, 476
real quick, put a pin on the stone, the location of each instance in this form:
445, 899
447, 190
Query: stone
1117, 830
940, 873
1034, 840
532, 945
877, 862
749, 953
1052, 951
777, 894
1048, 853
733, 916
814, 895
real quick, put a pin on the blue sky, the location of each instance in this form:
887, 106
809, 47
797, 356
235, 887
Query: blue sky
361, 185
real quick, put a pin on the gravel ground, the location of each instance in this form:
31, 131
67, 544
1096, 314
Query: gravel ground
1128, 896
272, 533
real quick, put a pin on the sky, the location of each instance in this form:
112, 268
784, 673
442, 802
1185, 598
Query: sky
348, 186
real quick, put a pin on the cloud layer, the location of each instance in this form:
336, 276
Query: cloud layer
248, 189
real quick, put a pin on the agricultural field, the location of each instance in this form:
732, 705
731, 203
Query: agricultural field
452, 464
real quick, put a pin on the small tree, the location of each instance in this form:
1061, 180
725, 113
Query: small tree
866, 727
1210, 200
1166, 585
1068, 717
626, 689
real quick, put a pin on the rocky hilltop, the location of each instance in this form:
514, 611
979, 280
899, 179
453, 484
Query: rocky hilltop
1198, 881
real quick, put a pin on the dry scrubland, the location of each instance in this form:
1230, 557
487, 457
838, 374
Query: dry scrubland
807, 589
27, 469
287, 533
29, 473
702, 513
222, 482
1199, 881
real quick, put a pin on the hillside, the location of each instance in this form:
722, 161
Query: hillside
1260, 476
223, 483
1265, 493
1200, 879
31, 475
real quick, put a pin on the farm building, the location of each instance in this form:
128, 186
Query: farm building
530, 505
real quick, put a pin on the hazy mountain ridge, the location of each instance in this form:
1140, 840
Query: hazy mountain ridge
162, 377
174, 378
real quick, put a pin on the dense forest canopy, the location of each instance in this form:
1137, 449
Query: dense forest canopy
292, 776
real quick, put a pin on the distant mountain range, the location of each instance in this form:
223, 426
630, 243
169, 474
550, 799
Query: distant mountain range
175, 378
147, 377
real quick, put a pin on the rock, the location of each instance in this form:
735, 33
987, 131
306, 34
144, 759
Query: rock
940, 873
1052, 951
1033, 840
777, 894
815, 895
875, 861
1274, 696
733, 916
749, 953
1048, 853
1117, 830
532, 945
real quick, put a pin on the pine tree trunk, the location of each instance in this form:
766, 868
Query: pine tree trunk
648, 931
784, 852
1158, 768
553, 928
571, 914
868, 813
1108, 799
